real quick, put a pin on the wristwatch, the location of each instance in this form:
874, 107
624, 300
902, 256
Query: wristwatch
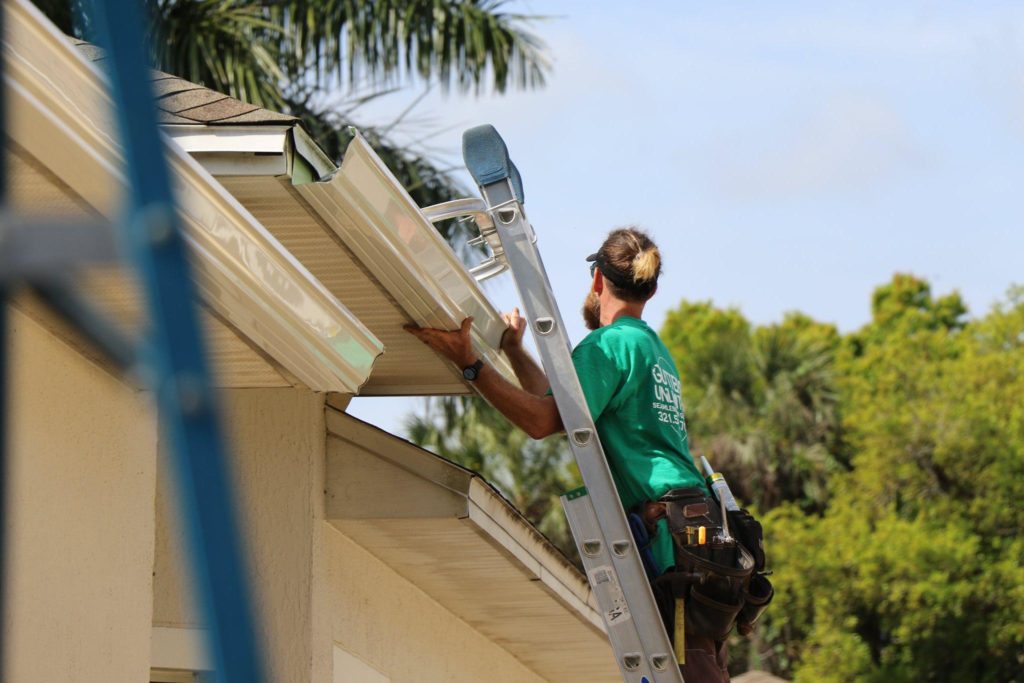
471, 372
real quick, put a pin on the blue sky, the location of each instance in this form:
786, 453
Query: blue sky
785, 156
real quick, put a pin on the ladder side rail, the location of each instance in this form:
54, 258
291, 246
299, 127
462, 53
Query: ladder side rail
518, 240
175, 351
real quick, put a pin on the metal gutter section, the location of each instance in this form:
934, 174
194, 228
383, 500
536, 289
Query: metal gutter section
370, 211
308, 151
59, 113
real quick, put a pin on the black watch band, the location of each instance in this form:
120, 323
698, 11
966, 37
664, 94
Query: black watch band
471, 372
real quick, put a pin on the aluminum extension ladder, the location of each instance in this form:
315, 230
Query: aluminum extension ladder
642, 647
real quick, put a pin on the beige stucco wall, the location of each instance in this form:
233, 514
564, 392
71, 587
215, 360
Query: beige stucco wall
276, 439
96, 555
81, 492
401, 631
317, 587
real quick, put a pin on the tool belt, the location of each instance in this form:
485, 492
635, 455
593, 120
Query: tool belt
721, 581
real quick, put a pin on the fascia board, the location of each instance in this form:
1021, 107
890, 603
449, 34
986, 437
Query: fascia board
180, 648
241, 164
228, 149
370, 211
60, 112
223, 138
399, 452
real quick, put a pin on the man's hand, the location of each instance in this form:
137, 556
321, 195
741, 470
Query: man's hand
527, 408
512, 337
455, 345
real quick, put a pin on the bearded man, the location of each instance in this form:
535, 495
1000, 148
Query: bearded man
632, 389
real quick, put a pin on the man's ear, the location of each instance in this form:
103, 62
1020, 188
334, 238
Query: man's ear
598, 285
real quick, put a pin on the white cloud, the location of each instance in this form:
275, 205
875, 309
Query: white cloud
847, 144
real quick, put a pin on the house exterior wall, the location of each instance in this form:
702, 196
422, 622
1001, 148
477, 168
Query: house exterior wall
276, 441
323, 600
400, 631
82, 480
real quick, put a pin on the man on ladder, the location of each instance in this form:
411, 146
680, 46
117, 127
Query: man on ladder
632, 390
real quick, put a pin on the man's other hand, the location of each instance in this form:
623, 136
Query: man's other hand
455, 345
515, 326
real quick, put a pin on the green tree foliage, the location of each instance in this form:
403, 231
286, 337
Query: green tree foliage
760, 403
916, 569
889, 463
256, 50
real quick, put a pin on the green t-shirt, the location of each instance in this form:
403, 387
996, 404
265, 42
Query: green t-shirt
633, 392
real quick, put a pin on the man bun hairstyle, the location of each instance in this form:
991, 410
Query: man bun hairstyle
635, 262
646, 265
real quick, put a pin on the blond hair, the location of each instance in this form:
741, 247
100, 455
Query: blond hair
646, 265
637, 262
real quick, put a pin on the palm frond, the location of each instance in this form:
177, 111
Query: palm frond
464, 44
231, 47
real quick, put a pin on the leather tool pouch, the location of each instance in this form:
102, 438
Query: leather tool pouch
759, 594
716, 579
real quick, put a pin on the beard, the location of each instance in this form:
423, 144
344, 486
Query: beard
592, 311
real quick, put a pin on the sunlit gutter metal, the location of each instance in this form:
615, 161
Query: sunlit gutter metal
370, 211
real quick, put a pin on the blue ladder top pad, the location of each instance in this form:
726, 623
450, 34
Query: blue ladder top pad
517, 183
487, 160
485, 154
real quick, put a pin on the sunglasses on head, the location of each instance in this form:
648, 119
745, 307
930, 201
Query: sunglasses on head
598, 262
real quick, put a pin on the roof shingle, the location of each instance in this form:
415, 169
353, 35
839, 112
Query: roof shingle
182, 102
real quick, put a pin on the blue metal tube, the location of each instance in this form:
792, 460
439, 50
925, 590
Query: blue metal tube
4, 349
184, 393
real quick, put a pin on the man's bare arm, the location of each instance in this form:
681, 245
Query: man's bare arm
528, 372
536, 415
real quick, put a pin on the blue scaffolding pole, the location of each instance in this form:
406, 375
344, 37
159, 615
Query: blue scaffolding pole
151, 238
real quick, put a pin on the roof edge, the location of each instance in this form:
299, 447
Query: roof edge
491, 512
60, 110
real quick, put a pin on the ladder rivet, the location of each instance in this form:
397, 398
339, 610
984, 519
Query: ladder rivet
660, 662
506, 216
631, 662
581, 437
591, 548
620, 548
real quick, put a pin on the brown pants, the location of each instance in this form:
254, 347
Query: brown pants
707, 661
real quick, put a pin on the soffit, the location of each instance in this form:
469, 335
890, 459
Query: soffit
452, 535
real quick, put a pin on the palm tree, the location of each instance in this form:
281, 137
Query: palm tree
292, 55
762, 402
